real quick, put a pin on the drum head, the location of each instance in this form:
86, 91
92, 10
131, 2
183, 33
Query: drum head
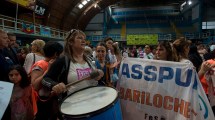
88, 101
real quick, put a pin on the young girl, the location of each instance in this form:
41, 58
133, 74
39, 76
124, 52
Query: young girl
21, 99
103, 64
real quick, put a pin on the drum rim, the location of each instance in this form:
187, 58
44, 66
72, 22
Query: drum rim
90, 114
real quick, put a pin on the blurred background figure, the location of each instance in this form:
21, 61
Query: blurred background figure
89, 52
202, 51
22, 55
140, 52
148, 52
124, 52
11, 51
195, 57
134, 52
113, 50
35, 55
210, 54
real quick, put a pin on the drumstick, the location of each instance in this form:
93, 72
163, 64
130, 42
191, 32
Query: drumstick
92, 75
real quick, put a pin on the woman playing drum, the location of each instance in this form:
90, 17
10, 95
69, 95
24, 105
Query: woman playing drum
73, 66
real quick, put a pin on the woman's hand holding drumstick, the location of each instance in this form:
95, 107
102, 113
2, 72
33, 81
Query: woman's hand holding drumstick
61, 87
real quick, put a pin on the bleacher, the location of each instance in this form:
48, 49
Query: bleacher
16, 26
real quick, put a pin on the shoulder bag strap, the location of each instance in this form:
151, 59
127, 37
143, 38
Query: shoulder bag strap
33, 59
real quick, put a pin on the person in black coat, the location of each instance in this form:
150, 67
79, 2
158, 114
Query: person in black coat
10, 51
4, 67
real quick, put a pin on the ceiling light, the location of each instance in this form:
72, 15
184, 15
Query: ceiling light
95, 5
88, 0
84, 2
80, 6
184, 3
189, 2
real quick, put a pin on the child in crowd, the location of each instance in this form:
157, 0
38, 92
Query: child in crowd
21, 99
102, 63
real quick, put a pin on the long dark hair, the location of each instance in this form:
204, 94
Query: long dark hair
24, 81
179, 46
194, 57
51, 48
168, 47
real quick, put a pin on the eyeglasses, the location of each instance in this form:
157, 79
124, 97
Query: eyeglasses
71, 32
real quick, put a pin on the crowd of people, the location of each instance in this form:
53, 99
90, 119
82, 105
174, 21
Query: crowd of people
40, 74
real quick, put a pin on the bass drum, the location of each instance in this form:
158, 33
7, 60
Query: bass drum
94, 103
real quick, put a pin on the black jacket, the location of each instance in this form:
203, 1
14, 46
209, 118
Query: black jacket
11, 53
4, 67
5, 64
57, 73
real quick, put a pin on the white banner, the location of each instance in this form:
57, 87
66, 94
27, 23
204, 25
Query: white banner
161, 90
6, 89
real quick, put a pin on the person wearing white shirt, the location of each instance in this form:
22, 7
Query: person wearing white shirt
36, 55
147, 52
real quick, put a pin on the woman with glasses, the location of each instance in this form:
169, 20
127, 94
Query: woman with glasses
72, 67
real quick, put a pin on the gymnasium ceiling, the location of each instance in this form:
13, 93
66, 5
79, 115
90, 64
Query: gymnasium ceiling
70, 16
65, 14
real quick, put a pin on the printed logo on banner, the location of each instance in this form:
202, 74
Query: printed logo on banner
203, 107
202, 103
